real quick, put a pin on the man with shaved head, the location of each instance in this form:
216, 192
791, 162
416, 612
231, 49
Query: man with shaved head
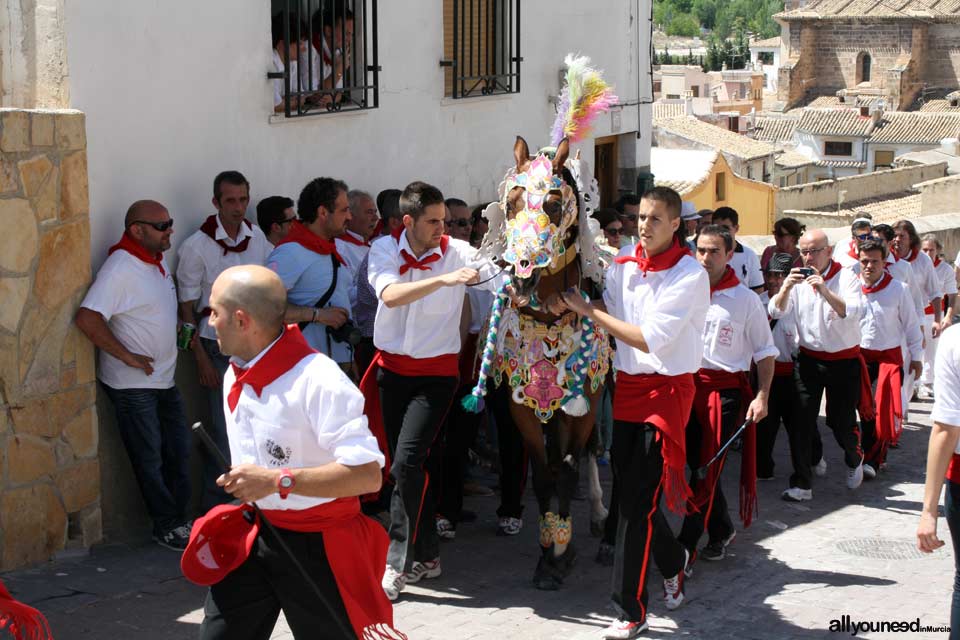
301, 450
130, 314
826, 301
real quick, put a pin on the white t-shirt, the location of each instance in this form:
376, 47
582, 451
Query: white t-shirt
278, 84
784, 332
140, 307
746, 265
948, 277
946, 380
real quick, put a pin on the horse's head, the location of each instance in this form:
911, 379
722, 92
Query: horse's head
540, 207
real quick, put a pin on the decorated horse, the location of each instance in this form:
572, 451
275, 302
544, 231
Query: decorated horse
553, 360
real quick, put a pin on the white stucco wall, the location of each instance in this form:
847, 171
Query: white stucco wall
176, 90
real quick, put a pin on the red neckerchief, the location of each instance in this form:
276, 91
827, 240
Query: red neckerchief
832, 270
660, 262
913, 254
290, 349
728, 281
209, 227
853, 252
409, 262
349, 239
878, 285
311, 241
936, 262
134, 248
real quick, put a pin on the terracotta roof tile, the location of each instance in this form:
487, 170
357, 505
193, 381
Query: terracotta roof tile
768, 43
771, 129
944, 10
709, 135
886, 208
898, 127
835, 122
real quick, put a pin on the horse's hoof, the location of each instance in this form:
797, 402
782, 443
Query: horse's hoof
545, 576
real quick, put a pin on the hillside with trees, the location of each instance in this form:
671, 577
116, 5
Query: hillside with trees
722, 18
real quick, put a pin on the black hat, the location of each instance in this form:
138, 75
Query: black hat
780, 263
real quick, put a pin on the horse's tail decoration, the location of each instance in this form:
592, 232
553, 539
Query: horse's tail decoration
473, 402
577, 404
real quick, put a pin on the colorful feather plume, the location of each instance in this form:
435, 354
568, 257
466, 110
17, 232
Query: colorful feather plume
585, 95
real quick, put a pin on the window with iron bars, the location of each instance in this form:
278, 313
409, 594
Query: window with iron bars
336, 65
481, 47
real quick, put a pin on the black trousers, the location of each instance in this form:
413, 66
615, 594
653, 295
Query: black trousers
413, 411
781, 407
642, 530
459, 432
840, 379
715, 512
245, 605
513, 452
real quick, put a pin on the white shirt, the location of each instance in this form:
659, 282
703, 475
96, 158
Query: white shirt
310, 416
926, 278
948, 277
889, 317
140, 307
315, 67
736, 331
946, 380
784, 332
430, 326
746, 265
353, 255
202, 260
820, 328
669, 306
841, 254
902, 271
278, 83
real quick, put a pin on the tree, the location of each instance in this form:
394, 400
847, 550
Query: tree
683, 24
706, 12
714, 55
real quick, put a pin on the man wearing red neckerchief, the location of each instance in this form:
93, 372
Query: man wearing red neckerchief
655, 305
314, 273
419, 275
354, 243
948, 282
225, 239
846, 252
736, 333
828, 307
130, 314
889, 318
301, 450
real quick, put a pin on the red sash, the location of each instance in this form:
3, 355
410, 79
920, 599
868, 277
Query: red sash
865, 404
707, 409
953, 471
356, 548
660, 262
209, 227
664, 402
889, 402
928, 310
22, 621
782, 368
131, 246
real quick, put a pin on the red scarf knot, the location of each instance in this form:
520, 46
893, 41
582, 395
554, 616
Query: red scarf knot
209, 227
137, 250
879, 285
660, 262
349, 239
728, 281
310, 241
423, 264
290, 349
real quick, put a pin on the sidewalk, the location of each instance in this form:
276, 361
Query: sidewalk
798, 567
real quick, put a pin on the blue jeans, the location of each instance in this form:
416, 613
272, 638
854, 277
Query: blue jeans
154, 431
951, 508
212, 494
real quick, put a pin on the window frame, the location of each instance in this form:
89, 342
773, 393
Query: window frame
479, 71
827, 152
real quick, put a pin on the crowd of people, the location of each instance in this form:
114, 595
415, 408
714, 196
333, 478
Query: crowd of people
335, 336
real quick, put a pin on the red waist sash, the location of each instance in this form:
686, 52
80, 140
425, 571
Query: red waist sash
928, 310
782, 368
707, 409
889, 402
865, 405
953, 471
664, 402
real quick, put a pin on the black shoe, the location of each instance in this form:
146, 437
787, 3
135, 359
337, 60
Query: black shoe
717, 550
175, 539
605, 555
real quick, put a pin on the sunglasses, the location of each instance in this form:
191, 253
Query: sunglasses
159, 226
864, 236
632, 217
613, 232
458, 223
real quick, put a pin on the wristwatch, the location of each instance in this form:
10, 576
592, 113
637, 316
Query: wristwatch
285, 483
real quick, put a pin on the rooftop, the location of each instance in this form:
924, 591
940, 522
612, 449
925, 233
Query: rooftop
773, 129
898, 127
734, 144
938, 10
930, 156
835, 122
681, 169
769, 43
886, 208
792, 160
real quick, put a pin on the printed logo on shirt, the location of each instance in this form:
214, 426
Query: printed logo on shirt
725, 335
280, 455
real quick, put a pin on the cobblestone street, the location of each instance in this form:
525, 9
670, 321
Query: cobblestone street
797, 568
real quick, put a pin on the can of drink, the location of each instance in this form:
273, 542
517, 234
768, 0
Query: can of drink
185, 336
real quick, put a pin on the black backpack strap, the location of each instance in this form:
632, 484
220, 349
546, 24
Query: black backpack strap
325, 298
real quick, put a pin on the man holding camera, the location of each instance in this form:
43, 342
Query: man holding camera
826, 300
313, 272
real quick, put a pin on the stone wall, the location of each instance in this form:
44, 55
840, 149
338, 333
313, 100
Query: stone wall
826, 193
49, 467
942, 64
939, 196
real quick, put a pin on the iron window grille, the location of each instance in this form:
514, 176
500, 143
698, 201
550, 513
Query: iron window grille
481, 41
315, 88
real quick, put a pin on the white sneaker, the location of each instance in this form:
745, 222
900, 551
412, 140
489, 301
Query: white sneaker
624, 629
869, 473
420, 570
445, 529
820, 468
393, 583
855, 476
796, 494
509, 526
673, 587
924, 392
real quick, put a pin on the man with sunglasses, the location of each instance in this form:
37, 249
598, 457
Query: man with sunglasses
826, 301
130, 314
847, 254
225, 239
274, 215
628, 208
458, 222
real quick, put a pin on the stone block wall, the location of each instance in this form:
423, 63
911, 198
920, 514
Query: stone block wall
942, 65
49, 466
